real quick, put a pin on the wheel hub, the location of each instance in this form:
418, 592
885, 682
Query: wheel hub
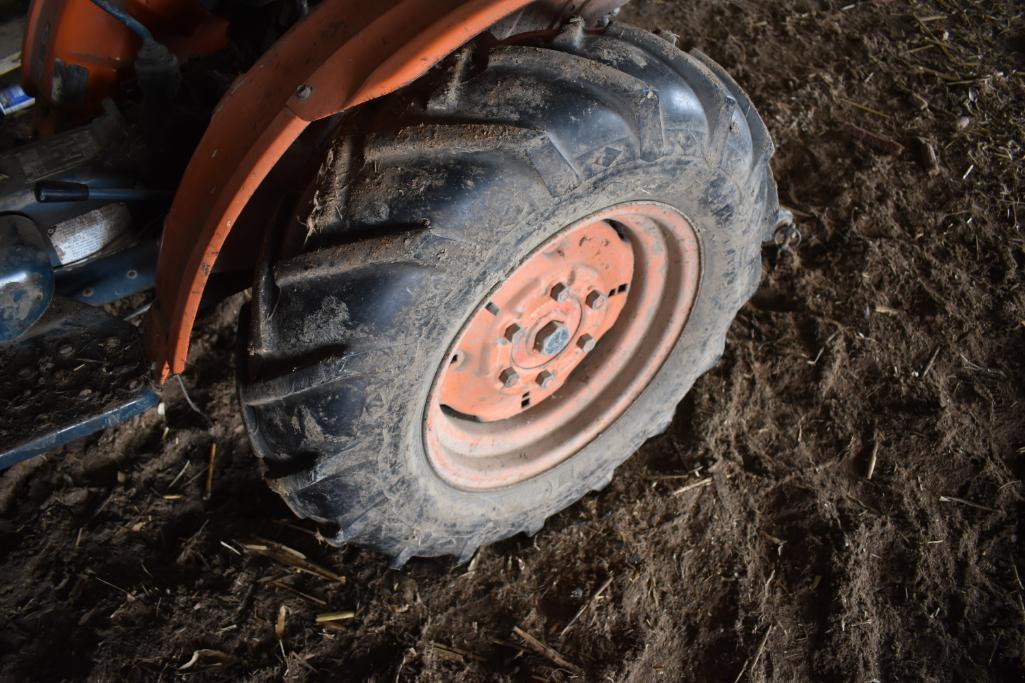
537, 327
563, 346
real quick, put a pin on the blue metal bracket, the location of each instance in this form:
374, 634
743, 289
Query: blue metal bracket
61, 436
76, 371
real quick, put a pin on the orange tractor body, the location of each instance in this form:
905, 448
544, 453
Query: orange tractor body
342, 54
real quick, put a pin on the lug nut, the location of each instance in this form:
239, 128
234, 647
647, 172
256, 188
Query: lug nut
560, 293
545, 379
512, 332
552, 339
596, 300
508, 377
586, 343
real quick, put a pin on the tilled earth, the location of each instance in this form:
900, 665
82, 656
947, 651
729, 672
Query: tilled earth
838, 500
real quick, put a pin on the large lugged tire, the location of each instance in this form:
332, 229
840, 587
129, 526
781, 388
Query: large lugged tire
440, 194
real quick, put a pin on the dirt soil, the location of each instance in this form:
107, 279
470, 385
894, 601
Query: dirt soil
840, 499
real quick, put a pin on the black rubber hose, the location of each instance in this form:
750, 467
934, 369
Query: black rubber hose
133, 24
49, 191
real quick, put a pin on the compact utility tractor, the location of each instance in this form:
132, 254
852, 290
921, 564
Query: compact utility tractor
490, 243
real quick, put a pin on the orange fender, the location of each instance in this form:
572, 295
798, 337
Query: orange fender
341, 55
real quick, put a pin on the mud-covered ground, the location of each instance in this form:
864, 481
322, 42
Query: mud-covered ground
838, 500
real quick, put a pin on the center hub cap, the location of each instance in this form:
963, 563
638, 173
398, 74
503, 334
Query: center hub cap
551, 312
552, 339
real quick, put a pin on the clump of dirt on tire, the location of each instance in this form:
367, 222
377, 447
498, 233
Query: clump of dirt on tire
749, 542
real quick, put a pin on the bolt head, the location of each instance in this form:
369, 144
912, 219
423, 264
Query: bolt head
545, 379
586, 343
560, 293
596, 300
513, 332
508, 377
303, 92
551, 339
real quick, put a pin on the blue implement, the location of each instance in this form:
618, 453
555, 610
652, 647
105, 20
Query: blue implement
76, 372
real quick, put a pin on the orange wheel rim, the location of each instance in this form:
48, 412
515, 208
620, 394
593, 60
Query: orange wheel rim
563, 346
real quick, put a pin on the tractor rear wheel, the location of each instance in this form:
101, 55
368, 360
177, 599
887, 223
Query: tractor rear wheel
508, 276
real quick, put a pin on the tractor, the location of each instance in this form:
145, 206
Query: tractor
489, 245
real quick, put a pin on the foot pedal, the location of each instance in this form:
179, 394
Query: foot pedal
76, 372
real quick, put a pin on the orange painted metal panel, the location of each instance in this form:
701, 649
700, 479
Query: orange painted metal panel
342, 54
78, 34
